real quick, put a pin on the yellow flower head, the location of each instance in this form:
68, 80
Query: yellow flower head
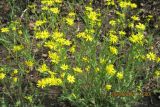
17, 48
41, 83
120, 75
54, 57
71, 79
89, 8
71, 14
20, 32
112, 22
42, 35
4, 29
64, 67
29, 63
85, 59
102, 60
110, 2
110, 69
77, 69
135, 18
122, 33
15, 79
113, 39
2, 76
88, 68
15, 71
54, 10
72, 49
151, 56
108, 87
123, 4
40, 22
57, 34
97, 69
157, 73
70, 21
158, 60
133, 5
138, 38
113, 50
43, 68
140, 26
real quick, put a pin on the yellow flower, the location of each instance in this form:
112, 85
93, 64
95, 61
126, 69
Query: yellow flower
81, 35
54, 57
133, 5
54, 10
151, 56
110, 69
110, 2
42, 35
122, 33
113, 50
123, 4
149, 17
64, 67
102, 60
97, 69
85, 36
72, 49
85, 59
15, 79
158, 60
43, 68
15, 71
45, 8
41, 83
71, 79
157, 73
40, 22
120, 75
57, 34
88, 37
135, 18
50, 44
70, 21
63, 41
140, 26
62, 75
88, 68
14, 28
113, 39
29, 63
71, 14
112, 22
17, 48
53, 81
29, 98
58, 1
2, 76
108, 87
89, 8
92, 16
4, 29
131, 25
120, 14
137, 38
20, 32
1, 69
77, 69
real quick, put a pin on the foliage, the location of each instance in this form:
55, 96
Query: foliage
76, 52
